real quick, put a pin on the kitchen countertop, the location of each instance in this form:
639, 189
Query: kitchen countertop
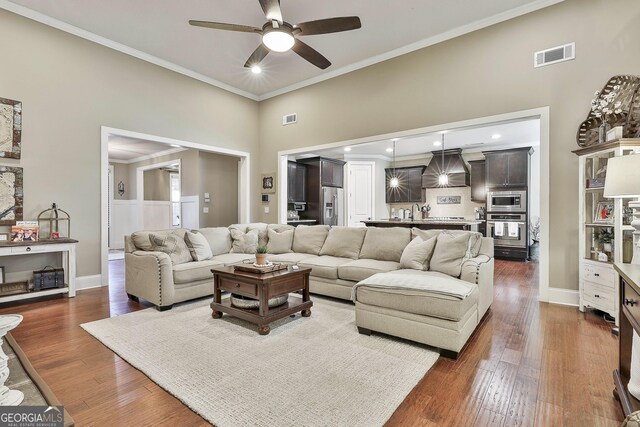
426, 221
289, 221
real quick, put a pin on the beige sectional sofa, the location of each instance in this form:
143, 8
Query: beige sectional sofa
439, 302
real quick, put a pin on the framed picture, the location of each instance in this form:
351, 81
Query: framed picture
603, 213
10, 128
25, 231
2, 275
11, 198
268, 183
5, 237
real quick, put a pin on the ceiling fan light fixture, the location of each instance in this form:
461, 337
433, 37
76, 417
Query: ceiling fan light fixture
278, 40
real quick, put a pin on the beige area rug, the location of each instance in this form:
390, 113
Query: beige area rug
315, 371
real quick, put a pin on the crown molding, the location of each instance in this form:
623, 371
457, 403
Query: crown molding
439, 38
87, 35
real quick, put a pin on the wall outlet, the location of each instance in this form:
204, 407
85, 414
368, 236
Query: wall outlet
266, 209
205, 210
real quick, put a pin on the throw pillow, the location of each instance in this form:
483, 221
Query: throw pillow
262, 232
475, 239
198, 246
280, 242
172, 245
418, 253
308, 239
344, 242
450, 253
219, 239
244, 243
385, 244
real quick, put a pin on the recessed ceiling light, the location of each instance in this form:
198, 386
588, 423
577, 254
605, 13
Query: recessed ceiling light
175, 145
496, 136
389, 150
437, 143
394, 139
347, 148
256, 69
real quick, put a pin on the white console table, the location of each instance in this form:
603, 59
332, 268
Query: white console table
68, 249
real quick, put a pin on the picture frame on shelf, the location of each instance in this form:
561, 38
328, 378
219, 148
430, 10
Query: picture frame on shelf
5, 237
603, 213
2, 278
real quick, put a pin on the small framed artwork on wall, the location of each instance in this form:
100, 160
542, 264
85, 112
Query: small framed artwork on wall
10, 128
268, 183
11, 197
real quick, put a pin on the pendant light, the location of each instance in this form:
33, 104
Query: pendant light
443, 178
394, 182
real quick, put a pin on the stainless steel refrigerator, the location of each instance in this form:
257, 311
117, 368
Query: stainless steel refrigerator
332, 206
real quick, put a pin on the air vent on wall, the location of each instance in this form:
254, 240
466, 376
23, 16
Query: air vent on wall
554, 55
289, 119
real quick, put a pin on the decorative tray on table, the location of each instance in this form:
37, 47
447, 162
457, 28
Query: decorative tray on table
250, 267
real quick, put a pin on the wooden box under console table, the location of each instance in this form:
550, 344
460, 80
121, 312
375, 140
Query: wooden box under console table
629, 299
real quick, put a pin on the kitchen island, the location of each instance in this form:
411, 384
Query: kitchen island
428, 224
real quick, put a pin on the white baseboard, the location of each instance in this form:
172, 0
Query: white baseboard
560, 296
88, 282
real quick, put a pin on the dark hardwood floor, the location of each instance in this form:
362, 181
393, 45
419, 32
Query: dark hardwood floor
529, 364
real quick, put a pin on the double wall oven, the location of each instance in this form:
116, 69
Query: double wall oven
507, 221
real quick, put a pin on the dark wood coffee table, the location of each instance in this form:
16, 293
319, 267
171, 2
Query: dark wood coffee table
262, 287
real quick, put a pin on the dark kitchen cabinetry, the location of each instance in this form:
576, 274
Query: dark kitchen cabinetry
409, 189
507, 168
478, 181
332, 173
296, 182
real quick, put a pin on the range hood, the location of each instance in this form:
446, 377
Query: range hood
453, 164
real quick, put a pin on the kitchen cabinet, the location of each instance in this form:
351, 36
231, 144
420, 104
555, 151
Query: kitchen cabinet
507, 168
332, 173
296, 182
478, 181
410, 188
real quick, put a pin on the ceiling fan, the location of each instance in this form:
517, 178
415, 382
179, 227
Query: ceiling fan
280, 36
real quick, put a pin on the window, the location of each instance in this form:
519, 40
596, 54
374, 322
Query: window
174, 180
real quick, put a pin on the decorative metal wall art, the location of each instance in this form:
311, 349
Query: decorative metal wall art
11, 197
10, 128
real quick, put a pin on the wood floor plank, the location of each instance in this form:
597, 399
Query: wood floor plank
528, 364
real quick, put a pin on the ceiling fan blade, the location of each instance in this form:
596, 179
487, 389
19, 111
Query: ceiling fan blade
228, 27
310, 54
257, 56
329, 25
271, 9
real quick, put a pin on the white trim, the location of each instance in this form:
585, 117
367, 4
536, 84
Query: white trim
87, 35
563, 296
430, 41
244, 184
541, 113
89, 282
349, 182
149, 156
111, 191
140, 187
127, 202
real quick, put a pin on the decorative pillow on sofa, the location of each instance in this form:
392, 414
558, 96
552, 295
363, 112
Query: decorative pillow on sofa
142, 241
385, 244
219, 239
280, 242
172, 245
198, 246
308, 239
344, 242
263, 238
417, 254
425, 234
475, 239
450, 252
244, 243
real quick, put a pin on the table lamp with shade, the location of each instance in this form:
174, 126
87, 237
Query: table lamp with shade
623, 181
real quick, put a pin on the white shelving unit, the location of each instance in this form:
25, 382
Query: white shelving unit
65, 246
598, 280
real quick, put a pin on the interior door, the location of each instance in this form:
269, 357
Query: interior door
360, 192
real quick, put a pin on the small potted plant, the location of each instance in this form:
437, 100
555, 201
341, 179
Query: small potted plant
261, 255
604, 235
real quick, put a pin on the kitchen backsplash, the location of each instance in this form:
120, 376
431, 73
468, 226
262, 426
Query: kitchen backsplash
430, 195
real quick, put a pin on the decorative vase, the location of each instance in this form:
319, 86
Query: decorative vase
607, 247
261, 259
602, 131
534, 251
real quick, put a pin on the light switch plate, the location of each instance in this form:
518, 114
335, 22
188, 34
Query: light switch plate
206, 195
266, 209
205, 210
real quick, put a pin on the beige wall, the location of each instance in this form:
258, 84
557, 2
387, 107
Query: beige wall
484, 73
218, 177
156, 185
70, 87
121, 174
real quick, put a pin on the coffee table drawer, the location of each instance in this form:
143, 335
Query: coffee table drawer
235, 286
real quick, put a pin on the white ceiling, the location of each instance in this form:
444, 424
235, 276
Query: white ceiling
511, 135
125, 150
158, 31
